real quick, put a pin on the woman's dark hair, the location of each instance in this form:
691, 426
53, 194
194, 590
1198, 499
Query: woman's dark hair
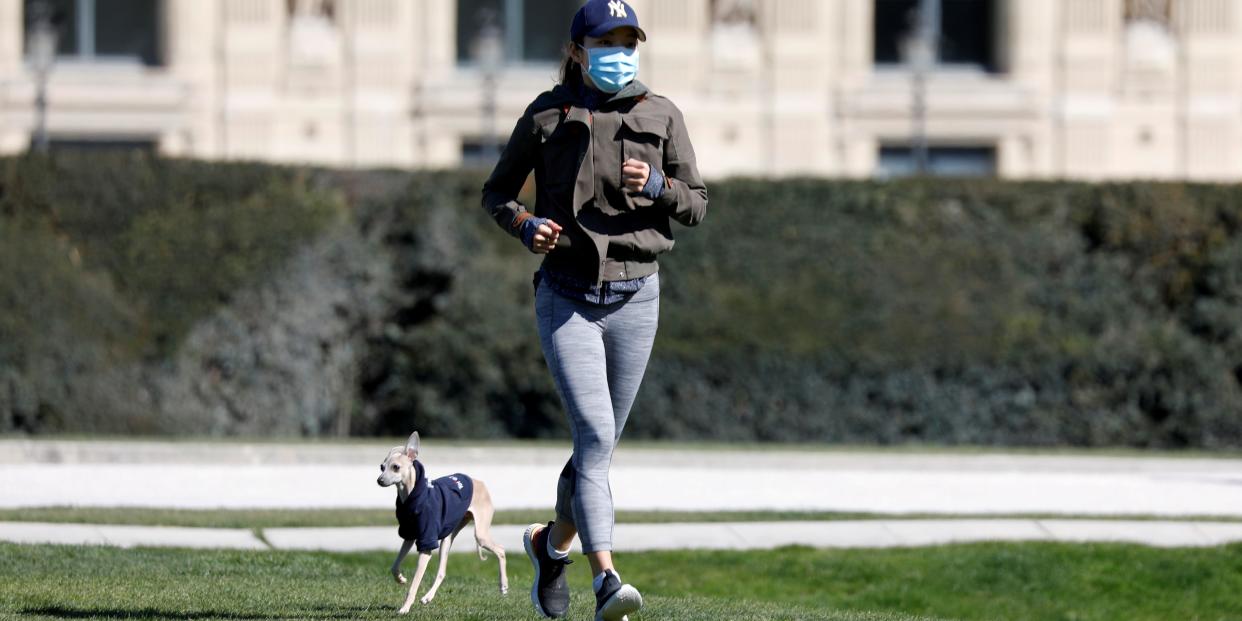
570, 75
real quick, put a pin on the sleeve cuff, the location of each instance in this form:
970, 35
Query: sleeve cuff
656, 184
515, 227
527, 228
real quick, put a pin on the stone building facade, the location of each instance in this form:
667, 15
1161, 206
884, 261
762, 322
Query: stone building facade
1088, 89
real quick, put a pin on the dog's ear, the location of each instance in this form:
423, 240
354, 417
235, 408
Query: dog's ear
411, 446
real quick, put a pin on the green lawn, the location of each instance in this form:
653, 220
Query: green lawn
1039, 581
293, 518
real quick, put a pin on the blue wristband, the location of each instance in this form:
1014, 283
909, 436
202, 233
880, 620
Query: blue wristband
529, 227
655, 184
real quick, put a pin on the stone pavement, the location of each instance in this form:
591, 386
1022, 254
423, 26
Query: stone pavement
190, 474
644, 537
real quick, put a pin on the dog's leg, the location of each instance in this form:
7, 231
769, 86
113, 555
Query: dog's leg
441, 569
396, 565
423, 559
483, 511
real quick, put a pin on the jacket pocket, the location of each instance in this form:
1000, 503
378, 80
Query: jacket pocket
642, 138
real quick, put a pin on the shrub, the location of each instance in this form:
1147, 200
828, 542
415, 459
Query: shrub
106, 262
807, 310
150, 295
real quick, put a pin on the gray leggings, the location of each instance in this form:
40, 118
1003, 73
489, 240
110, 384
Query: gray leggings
597, 356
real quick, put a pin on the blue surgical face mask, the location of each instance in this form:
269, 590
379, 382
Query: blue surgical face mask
611, 68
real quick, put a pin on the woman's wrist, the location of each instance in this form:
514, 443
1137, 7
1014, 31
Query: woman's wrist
655, 186
528, 227
519, 220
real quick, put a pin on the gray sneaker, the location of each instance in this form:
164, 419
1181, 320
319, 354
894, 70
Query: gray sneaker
550, 592
614, 601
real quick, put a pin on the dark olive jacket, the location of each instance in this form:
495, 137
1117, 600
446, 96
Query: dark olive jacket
608, 232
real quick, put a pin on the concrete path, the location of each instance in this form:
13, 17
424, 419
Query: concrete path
130, 536
310, 475
645, 537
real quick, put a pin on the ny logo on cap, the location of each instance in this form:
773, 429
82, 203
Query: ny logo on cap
617, 8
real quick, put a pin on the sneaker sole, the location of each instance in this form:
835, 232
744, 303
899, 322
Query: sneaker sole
627, 599
530, 553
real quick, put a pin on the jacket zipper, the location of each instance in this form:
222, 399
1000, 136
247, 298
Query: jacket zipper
595, 173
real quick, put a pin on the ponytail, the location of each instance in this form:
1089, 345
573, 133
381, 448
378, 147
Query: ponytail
570, 75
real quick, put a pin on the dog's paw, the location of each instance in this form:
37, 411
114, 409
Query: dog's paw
425, 600
400, 579
405, 610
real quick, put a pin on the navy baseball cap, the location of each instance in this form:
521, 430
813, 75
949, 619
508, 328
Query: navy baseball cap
598, 17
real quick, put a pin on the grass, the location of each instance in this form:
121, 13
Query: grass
295, 518
1035, 581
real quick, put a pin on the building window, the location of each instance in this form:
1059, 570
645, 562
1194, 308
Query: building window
942, 161
480, 153
102, 144
533, 31
968, 32
102, 30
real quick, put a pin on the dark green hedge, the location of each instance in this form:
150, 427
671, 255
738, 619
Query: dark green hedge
176, 239
958, 312
954, 312
107, 262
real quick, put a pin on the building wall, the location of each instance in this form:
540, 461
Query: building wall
13, 127
781, 87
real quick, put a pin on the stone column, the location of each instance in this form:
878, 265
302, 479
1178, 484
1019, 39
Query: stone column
1031, 63
856, 151
13, 135
676, 57
379, 81
251, 71
1086, 82
855, 33
1210, 96
12, 35
800, 49
192, 31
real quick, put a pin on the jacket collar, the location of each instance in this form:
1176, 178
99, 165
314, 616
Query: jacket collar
583, 96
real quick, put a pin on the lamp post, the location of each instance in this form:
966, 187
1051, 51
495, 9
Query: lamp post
42, 48
487, 49
920, 49
766, 24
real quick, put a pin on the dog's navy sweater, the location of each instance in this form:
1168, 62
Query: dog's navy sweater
433, 508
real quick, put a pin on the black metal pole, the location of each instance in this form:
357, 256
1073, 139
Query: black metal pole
42, 50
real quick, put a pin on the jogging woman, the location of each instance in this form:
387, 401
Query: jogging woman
613, 164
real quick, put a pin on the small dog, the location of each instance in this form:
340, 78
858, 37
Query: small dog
431, 513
